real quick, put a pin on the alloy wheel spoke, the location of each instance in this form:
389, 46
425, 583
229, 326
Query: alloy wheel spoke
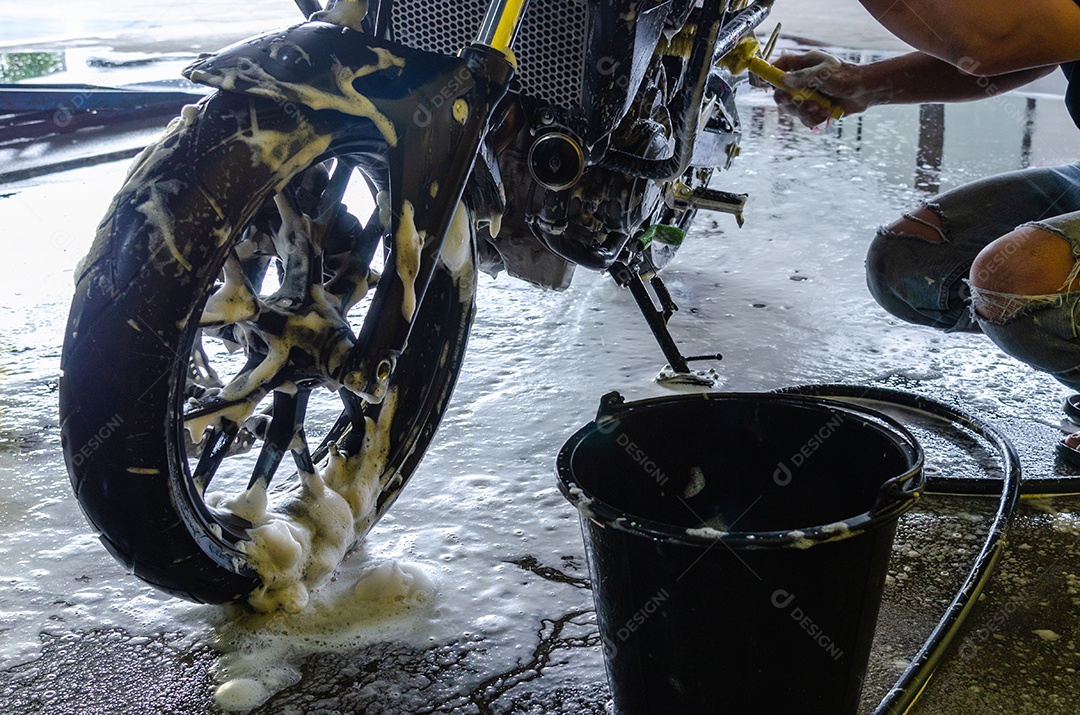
302, 455
353, 279
235, 300
287, 421
218, 443
202, 373
351, 417
337, 431
334, 193
293, 244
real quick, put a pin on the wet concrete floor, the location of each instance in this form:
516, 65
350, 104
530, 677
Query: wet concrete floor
782, 298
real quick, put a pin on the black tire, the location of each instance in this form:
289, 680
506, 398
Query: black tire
134, 319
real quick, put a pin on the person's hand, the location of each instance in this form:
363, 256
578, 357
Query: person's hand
837, 80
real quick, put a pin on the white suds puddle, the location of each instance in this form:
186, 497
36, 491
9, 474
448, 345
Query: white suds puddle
386, 601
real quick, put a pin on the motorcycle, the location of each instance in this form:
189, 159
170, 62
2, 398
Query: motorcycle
229, 288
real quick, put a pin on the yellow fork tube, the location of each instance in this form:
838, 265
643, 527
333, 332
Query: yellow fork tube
507, 29
501, 25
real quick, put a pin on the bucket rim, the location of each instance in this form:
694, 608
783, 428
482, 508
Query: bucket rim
895, 496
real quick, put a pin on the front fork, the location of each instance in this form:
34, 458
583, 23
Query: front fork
426, 189
501, 25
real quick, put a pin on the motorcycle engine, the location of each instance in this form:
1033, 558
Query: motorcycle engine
559, 209
554, 195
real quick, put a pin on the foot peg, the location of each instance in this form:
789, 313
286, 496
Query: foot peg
681, 197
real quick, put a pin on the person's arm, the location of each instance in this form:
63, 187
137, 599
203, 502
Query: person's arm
913, 78
986, 37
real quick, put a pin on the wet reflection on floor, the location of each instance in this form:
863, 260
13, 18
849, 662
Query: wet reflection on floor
961, 142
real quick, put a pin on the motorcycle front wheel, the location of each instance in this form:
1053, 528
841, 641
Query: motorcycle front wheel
206, 343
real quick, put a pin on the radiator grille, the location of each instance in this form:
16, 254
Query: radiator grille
550, 48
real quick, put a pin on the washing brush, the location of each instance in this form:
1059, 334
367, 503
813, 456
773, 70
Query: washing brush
747, 57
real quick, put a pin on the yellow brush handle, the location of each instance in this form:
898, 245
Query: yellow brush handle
774, 76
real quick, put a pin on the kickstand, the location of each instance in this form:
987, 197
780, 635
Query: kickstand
657, 320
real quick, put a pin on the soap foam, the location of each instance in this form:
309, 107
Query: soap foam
364, 603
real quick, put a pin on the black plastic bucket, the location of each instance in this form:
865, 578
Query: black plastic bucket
738, 545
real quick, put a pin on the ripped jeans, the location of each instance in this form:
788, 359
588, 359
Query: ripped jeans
924, 282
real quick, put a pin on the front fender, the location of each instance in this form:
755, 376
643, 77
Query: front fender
432, 111
321, 66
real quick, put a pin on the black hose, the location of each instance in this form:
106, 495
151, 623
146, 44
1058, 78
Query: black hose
911, 683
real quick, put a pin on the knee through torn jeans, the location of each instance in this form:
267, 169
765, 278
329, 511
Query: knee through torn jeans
925, 282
